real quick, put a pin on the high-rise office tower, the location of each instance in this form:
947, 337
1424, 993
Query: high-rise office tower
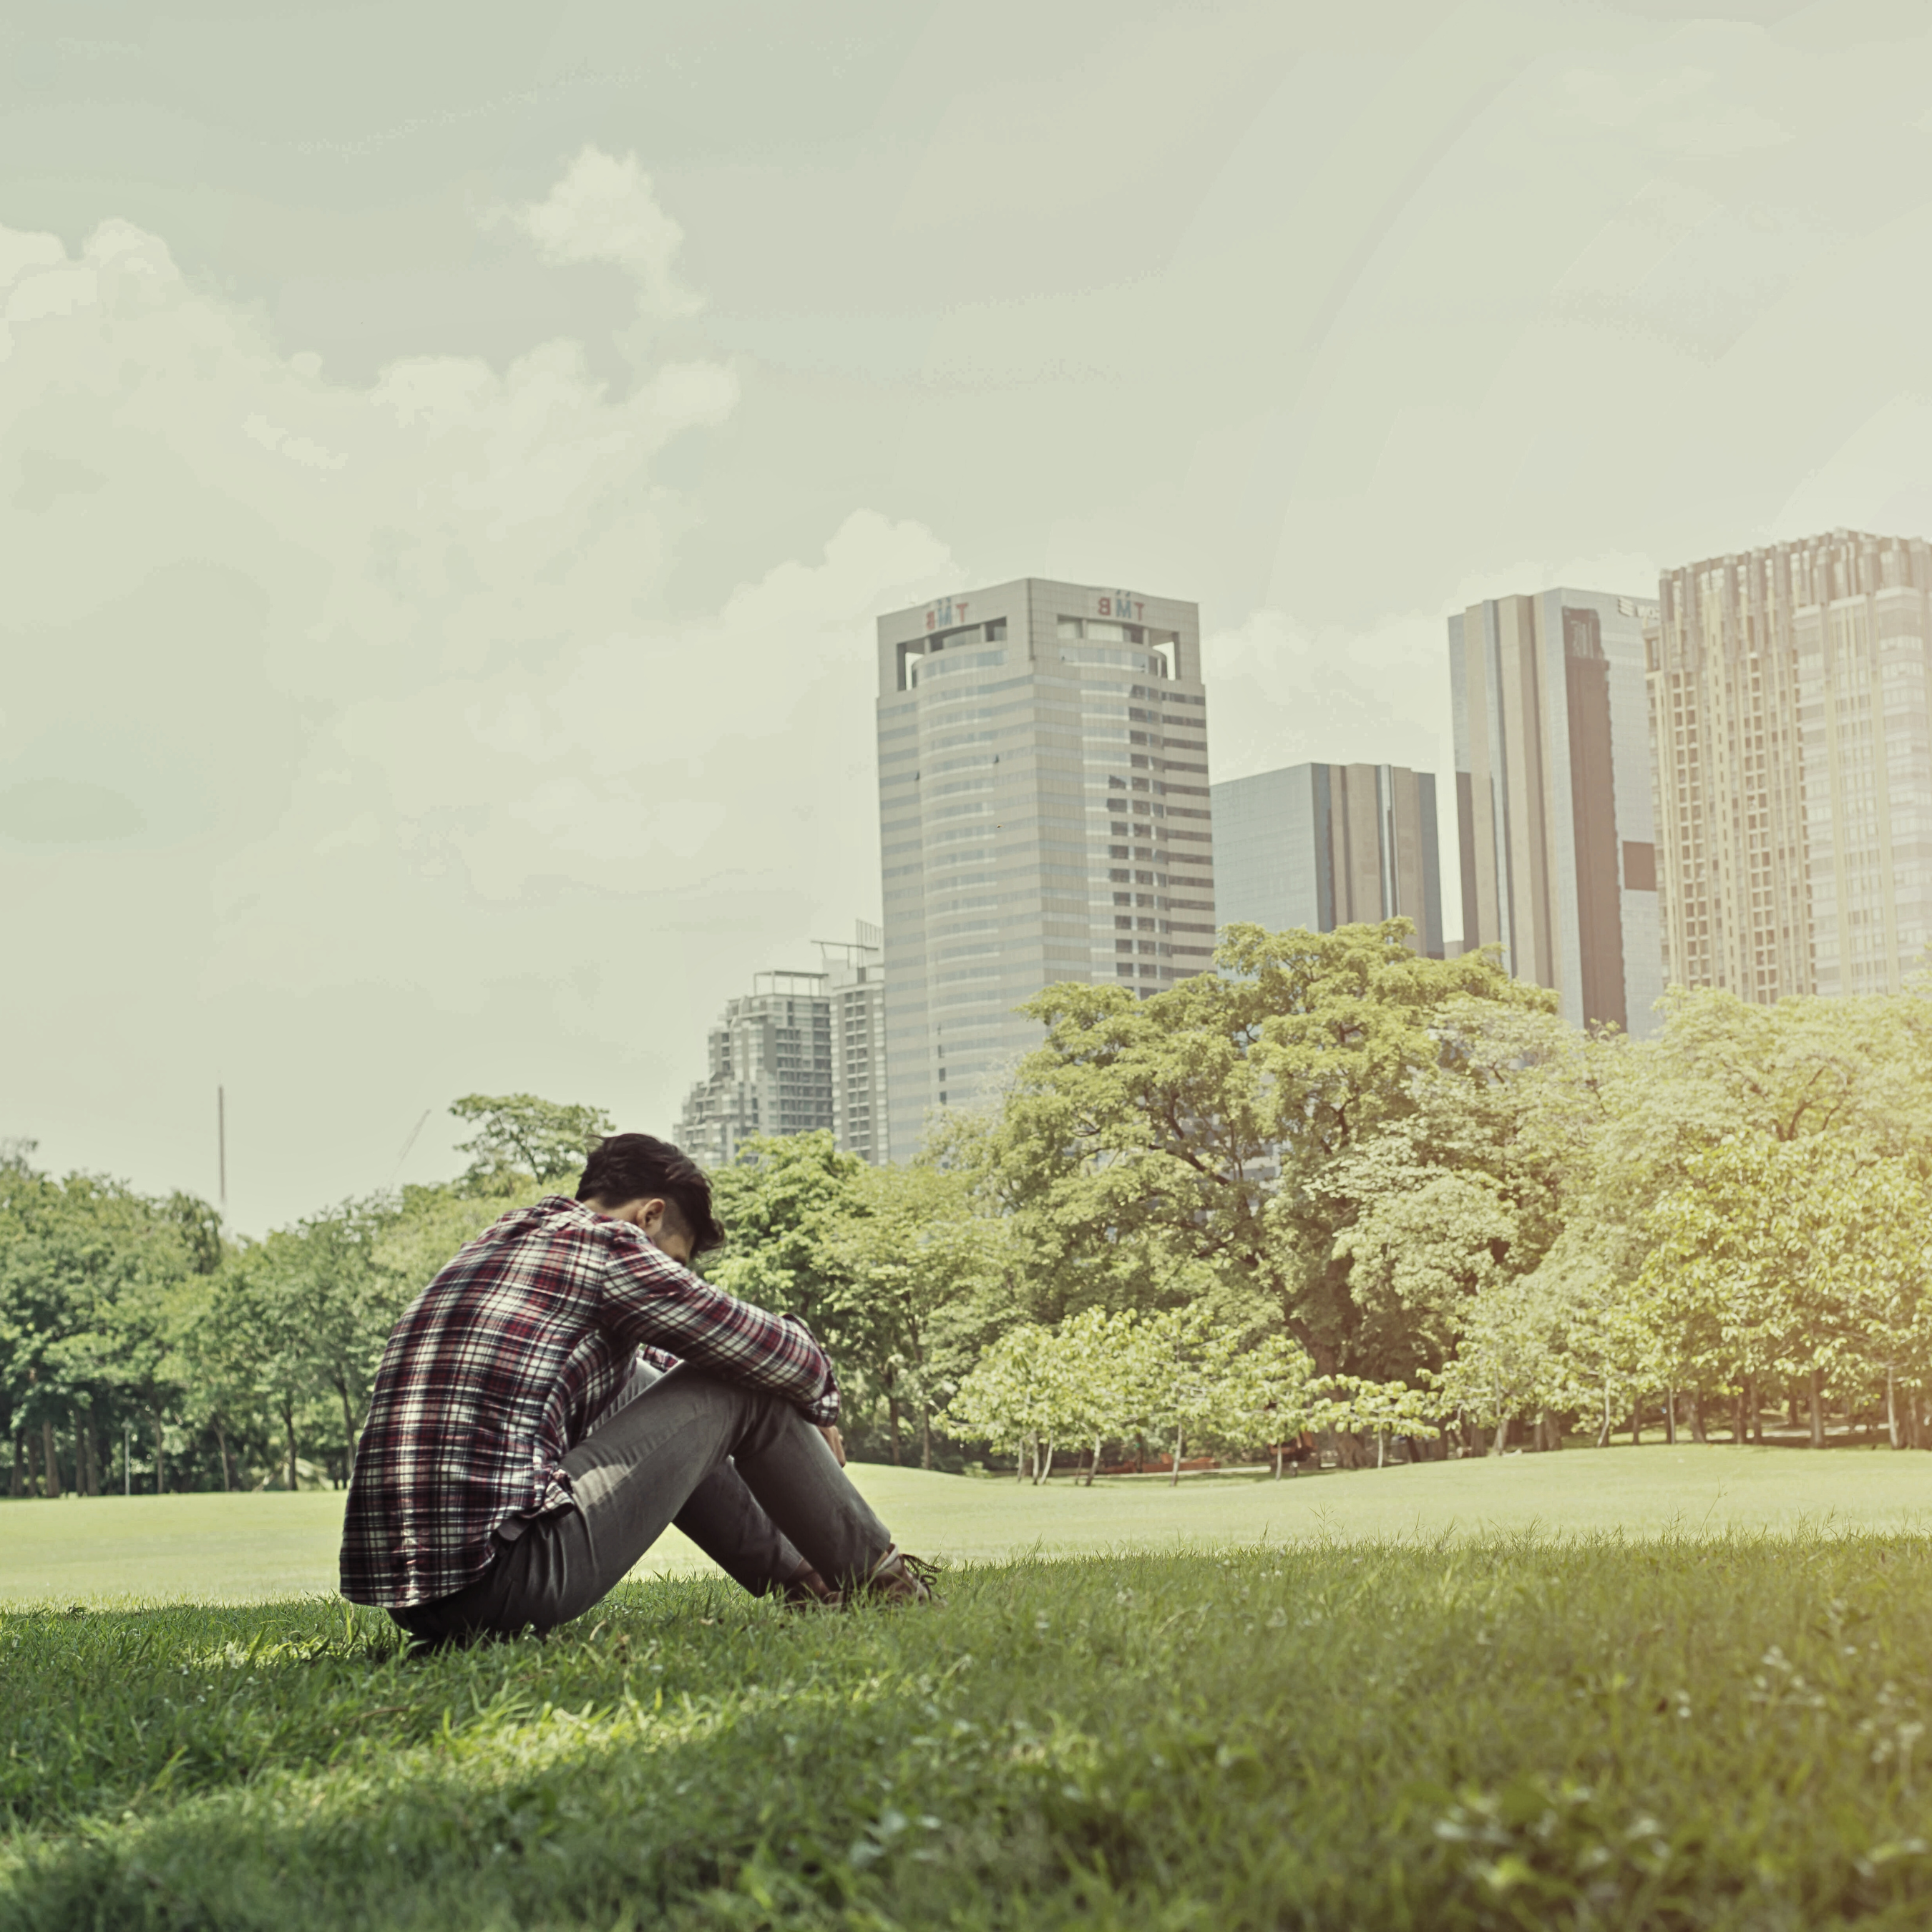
1792, 740
1044, 813
1553, 804
1321, 846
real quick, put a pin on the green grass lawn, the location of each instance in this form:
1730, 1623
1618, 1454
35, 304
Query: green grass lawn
240, 1549
1660, 1689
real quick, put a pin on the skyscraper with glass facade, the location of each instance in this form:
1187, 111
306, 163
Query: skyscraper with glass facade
1044, 816
1553, 800
1320, 846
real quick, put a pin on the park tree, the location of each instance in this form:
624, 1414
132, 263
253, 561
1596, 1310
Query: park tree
1149, 1143
1186, 1386
1275, 1396
95, 1282
785, 1203
520, 1135
925, 1271
1876, 1252
1739, 1273
1018, 1394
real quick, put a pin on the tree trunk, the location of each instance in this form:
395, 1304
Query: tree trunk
1637, 1421
50, 1449
892, 1418
1603, 1427
925, 1435
1670, 1417
1738, 1417
1892, 1409
1094, 1469
1817, 1410
1280, 1452
1502, 1437
1698, 1433
1020, 1460
1174, 1479
34, 1486
13, 1489
289, 1423
1754, 1409
221, 1443
160, 1460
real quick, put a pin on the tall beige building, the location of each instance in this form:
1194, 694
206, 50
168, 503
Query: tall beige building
1553, 800
1044, 816
1792, 745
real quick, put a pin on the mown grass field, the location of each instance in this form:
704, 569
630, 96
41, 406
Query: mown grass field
1704, 1709
242, 1549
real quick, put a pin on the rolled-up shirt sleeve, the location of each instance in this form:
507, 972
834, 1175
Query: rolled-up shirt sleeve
652, 1303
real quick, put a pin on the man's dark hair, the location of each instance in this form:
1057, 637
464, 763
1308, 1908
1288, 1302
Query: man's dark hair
635, 1167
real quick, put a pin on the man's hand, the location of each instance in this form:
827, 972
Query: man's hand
830, 1431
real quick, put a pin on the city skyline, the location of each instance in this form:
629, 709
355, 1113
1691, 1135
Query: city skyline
450, 477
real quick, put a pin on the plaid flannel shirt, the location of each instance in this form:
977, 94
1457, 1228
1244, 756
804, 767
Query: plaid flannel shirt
500, 1367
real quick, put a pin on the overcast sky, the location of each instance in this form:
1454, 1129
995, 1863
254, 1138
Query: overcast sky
451, 456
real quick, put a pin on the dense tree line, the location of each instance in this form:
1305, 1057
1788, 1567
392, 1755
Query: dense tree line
1415, 1171
1393, 1198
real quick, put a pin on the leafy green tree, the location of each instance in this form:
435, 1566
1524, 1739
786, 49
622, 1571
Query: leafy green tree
519, 1134
95, 1280
1186, 1385
1203, 1128
1016, 1394
785, 1204
925, 1271
1275, 1396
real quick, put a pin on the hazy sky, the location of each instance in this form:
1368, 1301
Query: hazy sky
450, 457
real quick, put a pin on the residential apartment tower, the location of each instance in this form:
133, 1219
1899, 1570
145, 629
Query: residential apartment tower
1789, 710
800, 1052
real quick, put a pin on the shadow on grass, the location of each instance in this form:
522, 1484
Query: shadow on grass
1501, 1732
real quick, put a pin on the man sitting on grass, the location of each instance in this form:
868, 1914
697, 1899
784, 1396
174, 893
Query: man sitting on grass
565, 1388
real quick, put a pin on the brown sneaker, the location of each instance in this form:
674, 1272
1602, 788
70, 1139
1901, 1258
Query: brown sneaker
897, 1578
806, 1590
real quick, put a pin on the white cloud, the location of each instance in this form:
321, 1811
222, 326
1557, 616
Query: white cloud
604, 209
381, 676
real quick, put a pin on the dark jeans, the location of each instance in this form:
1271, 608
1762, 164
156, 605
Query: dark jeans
659, 1456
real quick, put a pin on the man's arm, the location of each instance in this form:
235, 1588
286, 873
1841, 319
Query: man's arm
653, 1303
